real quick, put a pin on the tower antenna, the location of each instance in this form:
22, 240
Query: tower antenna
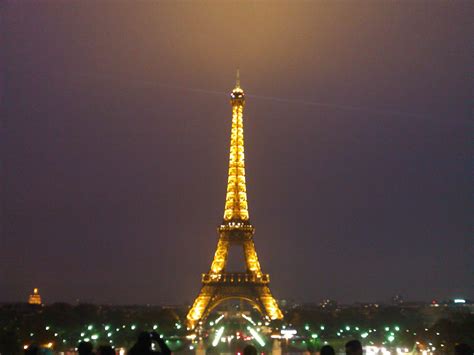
237, 79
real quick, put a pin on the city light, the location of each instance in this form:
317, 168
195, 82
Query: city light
248, 319
257, 336
219, 319
219, 333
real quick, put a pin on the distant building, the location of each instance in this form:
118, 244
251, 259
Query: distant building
35, 298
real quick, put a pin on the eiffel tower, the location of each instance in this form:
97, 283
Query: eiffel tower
235, 231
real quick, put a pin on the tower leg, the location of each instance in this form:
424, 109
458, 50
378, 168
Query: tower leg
200, 306
269, 302
251, 258
220, 256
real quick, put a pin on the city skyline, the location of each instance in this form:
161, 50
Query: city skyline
115, 144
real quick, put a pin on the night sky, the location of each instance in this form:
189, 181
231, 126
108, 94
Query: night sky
115, 139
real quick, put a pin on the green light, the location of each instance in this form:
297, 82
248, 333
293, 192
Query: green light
387, 329
397, 328
314, 336
90, 327
306, 327
95, 337
256, 336
356, 328
155, 326
348, 328
106, 327
364, 335
322, 327
133, 327
218, 336
391, 338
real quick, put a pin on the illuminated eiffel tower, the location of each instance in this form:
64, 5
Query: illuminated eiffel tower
235, 231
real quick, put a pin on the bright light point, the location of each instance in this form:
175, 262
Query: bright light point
133, 327
322, 327
218, 336
249, 319
257, 336
348, 328
191, 347
94, 337
397, 328
106, 327
219, 319
387, 329
87, 339
306, 327
90, 327
155, 326
391, 338
364, 335
109, 334
459, 300
314, 336
47, 328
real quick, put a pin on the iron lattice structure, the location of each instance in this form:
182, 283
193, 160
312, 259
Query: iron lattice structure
235, 231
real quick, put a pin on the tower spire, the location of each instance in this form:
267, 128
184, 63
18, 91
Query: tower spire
237, 79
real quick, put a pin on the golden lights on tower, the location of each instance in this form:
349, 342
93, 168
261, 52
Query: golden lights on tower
236, 206
251, 285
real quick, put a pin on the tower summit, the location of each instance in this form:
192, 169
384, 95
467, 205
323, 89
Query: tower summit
250, 285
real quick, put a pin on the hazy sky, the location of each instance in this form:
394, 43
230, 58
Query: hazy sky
115, 133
